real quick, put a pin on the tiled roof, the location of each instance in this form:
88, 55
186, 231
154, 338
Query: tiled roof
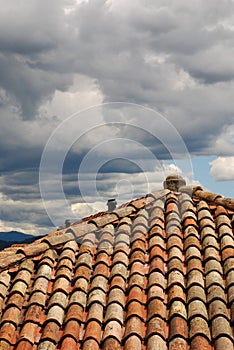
155, 274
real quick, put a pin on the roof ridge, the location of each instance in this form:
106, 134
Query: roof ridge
199, 193
15, 254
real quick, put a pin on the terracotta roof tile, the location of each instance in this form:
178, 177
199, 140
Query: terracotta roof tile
119, 269
178, 328
231, 294
10, 260
218, 308
50, 334
106, 219
123, 257
95, 312
156, 326
137, 250
74, 313
69, 342
215, 292
228, 265
157, 273
178, 308
229, 278
156, 342
176, 293
93, 331
59, 239
34, 249
221, 327
199, 327
6, 333
176, 277
178, 343
133, 342
156, 307
196, 293
195, 278
103, 258
213, 265
133, 328
223, 343
197, 308
81, 229
214, 277
200, 342
115, 312
194, 264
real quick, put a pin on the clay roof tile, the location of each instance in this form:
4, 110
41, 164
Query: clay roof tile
157, 273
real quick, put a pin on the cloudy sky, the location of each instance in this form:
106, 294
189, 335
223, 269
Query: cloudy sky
102, 99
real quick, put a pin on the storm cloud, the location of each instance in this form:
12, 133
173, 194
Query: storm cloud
59, 57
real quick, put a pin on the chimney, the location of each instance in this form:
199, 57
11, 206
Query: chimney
67, 223
173, 182
111, 204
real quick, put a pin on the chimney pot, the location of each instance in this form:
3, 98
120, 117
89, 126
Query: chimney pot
67, 223
173, 182
111, 204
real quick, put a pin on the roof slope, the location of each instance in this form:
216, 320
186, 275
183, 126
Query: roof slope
157, 273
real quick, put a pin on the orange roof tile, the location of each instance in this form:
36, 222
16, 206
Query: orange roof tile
157, 273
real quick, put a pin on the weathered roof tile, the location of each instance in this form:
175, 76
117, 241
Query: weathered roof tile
156, 307
93, 331
157, 326
6, 332
199, 327
177, 308
157, 273
157, 278
112, 330
197, 308
74, 312
10, 260
221, 327
178, 328
218, 308
196, 292
114, 312
175, 292
133, 328
97, 296
156, 342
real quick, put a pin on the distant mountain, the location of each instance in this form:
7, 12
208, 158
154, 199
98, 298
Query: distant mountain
4, 244
14, 236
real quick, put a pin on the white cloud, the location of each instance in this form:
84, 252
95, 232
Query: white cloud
224, 144
28, 228
222, 169
82, 210
23, 216
83, 93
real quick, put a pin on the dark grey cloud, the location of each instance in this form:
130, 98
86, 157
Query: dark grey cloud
19, 158
175, 57
28, 30
28, 87
20, 185
30, 27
